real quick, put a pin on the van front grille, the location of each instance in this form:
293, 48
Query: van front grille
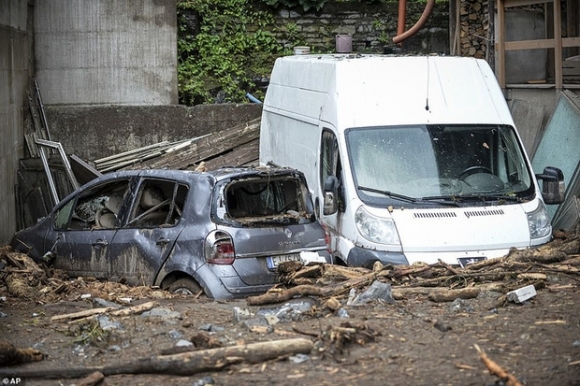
480, 213
434, 215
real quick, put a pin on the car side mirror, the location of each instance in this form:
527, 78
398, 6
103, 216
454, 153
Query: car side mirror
330, 195
553, 187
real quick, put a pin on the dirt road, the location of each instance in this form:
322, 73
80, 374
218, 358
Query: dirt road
410, 340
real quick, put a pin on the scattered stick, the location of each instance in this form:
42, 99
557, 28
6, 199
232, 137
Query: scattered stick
106, 310
449, 268
93, 379
497, 370
187, 363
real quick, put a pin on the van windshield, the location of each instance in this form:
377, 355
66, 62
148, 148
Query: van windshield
438, 162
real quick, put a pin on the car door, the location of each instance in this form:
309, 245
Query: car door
151, 226
84, 229
331, 166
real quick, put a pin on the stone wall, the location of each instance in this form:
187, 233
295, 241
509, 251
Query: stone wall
371, 26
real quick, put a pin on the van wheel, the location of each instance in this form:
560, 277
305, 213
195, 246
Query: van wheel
184, 286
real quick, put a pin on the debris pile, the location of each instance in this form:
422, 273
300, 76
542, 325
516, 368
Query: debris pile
21, 277
438, 282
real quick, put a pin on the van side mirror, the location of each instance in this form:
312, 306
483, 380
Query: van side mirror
330, 205
553, 189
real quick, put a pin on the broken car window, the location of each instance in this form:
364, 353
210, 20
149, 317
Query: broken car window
158, 203
96, 209
253, 200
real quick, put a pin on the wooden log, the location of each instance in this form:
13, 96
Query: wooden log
440, 295
106, 310
444, 294
436, 294
187, 363
278, 295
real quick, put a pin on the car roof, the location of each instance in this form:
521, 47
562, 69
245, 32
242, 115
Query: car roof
218, 174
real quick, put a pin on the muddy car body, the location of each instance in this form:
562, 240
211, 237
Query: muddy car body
223, 231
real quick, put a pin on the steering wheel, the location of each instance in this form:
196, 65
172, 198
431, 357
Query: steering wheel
473, 170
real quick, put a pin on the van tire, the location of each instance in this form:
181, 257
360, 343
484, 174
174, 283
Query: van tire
184, 286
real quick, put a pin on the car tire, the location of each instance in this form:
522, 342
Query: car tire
184, 286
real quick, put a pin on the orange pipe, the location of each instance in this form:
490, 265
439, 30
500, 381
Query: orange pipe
402, 17
420, 23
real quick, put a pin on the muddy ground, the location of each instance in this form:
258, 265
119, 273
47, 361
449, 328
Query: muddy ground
405, 340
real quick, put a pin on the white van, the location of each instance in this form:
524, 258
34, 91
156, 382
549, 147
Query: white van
409, 158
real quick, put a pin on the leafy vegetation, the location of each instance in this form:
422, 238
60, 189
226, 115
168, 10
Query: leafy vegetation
224, 50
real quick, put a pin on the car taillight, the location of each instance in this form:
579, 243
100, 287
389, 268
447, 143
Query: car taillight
219, 248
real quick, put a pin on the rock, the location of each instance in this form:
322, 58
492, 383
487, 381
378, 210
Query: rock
376, 291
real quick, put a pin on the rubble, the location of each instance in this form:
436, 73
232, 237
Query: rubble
331, 292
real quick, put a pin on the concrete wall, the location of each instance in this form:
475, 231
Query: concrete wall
14, 74
100, 131
106, 51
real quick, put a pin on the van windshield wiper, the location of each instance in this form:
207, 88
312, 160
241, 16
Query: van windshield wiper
494, 197
443, 200
388, 194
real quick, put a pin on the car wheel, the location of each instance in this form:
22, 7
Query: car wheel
184, 286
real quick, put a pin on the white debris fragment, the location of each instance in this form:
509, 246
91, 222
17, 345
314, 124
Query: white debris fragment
522, 294
309, 258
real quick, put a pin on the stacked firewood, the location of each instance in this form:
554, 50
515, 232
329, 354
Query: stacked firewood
474, 34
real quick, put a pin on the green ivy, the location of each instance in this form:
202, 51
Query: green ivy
305, 4
228, 54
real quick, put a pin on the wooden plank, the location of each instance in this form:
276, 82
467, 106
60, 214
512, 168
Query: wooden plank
500, 45
520, 3
558, 42
532, 44
239, 156
529, 119
206, 148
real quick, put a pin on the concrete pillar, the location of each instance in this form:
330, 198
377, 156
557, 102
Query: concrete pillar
14, 74
106, 52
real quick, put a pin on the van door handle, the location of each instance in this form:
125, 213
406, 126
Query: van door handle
100, 242
162, 241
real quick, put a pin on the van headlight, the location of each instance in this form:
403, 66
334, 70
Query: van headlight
539, 222
376, 229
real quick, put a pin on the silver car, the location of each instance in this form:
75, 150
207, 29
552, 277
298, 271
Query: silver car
223, 232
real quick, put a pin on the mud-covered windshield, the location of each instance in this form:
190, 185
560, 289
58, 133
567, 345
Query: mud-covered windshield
265, 201
438, 162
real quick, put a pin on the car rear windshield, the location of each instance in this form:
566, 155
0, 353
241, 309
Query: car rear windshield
263, 201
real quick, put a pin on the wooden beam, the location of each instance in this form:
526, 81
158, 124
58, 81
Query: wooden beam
520, 3
501, 43
529, 44
558, 41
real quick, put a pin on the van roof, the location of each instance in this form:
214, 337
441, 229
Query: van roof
370, 90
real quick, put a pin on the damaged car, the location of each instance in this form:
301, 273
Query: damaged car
222, 232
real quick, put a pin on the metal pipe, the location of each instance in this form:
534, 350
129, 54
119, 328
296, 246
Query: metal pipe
402, 16
420, 23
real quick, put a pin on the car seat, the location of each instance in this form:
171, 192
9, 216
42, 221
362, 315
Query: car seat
106, 217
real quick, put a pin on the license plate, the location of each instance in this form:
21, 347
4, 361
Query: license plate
273, 261
465, 261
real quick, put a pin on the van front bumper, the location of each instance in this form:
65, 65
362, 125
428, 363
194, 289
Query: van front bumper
359, 257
